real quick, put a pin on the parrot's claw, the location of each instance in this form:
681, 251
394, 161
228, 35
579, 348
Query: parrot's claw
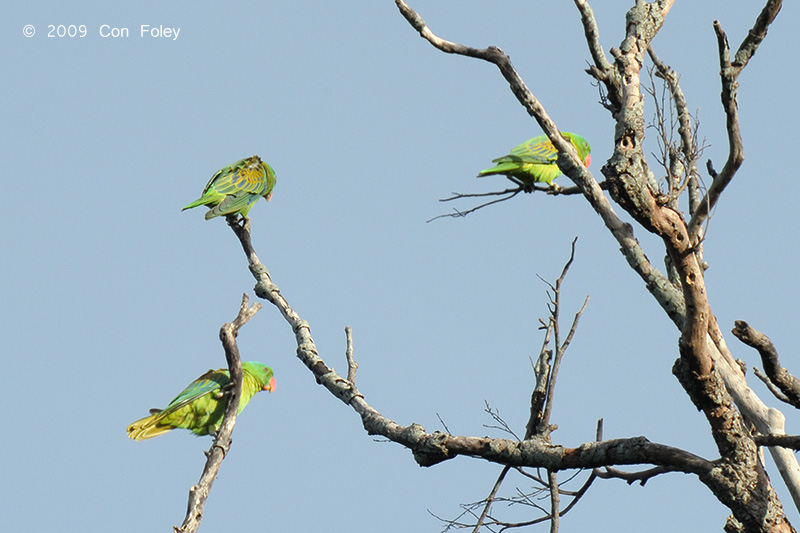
244, 223
239, 221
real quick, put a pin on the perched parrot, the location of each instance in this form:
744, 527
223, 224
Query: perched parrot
535, 160
200, 407
234, 189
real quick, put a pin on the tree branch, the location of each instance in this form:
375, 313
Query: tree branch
198, 494
783, 441
432, 448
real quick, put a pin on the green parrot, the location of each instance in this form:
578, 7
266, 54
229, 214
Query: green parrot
535, 161
234, 189
201, 406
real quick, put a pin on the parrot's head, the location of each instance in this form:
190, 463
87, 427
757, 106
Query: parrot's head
270, 175
582, 147
262, 373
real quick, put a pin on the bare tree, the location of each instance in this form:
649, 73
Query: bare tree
737, 419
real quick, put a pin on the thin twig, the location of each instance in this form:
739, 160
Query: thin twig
458, 195
460, 214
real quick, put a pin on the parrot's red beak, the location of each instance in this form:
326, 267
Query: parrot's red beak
270, 386
587, 161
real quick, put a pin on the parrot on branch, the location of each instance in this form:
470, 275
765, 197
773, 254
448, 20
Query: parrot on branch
236, 188
535, 161
201, 406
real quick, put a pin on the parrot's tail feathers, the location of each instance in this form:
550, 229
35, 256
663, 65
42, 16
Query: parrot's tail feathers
199, 201
502, 168
234, 204
147, 427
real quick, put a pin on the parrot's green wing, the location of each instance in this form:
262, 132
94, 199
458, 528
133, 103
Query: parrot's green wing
244, 176
209, 383
537, 150
236, 188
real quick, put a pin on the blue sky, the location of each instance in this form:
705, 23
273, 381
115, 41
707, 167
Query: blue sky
113, 297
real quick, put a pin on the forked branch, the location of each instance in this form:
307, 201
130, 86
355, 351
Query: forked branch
729, 74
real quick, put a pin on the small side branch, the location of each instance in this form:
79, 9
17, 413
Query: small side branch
198, 494
788, 384
592, 33
560, 347
352, 365
630, 478
602, 70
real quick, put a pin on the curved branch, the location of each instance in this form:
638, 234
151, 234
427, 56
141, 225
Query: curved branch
432, 448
